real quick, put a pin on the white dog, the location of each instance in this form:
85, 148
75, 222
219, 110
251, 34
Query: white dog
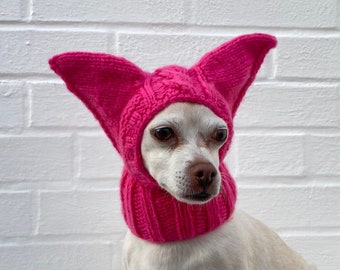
184, 139
173, 127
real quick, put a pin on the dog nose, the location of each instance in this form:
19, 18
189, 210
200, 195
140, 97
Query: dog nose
202, 173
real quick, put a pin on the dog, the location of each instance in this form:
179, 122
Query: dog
184, 140
173, 128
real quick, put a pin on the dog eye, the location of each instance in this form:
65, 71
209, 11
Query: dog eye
220, 134
163, 133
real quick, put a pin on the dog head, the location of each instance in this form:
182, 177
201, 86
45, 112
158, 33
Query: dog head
180, 149
148, 113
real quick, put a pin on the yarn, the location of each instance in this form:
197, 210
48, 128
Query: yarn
124, 98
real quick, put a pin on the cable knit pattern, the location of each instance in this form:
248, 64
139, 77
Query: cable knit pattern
124, 99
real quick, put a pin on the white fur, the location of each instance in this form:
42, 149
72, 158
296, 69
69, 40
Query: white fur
168, 163
242, 243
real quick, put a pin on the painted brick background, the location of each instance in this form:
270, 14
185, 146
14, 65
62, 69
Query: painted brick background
59, 175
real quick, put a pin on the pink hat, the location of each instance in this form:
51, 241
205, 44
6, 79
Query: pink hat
125, 98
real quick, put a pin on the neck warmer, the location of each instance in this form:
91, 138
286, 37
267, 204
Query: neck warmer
124, 99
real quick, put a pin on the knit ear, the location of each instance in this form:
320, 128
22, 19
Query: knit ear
232, 67
103, 82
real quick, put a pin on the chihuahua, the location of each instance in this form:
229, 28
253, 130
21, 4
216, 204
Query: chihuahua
173, 127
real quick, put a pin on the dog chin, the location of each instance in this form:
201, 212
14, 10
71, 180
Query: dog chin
197, 198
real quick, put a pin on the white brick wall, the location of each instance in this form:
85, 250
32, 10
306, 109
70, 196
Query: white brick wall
59, 175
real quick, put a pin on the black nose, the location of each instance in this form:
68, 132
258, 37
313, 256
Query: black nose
202, 174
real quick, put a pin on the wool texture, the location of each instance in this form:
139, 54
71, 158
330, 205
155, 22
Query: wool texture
124, 99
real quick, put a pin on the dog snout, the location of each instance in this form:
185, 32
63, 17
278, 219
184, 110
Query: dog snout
203, 174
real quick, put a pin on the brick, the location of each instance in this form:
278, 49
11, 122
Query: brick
98, 158
12, 104
153, 51
117, 258
10, 10
35, 158
289, 106
319, 14
266, 155
316, 58
323, 155
29, 51
54, 106
111, 11
292, 207
322, 251
92, 212
85, 256
15, 214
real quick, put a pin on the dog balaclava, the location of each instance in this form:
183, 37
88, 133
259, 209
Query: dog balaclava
124, 98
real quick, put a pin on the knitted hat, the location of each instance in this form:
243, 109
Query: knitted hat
125, 98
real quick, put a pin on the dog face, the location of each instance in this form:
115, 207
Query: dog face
180, 149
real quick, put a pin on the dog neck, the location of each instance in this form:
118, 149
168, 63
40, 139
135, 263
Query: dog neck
154, 215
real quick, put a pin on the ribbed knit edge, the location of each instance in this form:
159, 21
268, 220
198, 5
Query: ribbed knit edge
154, 215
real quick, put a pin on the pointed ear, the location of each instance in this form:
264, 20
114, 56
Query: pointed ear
103, 82
232, 67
